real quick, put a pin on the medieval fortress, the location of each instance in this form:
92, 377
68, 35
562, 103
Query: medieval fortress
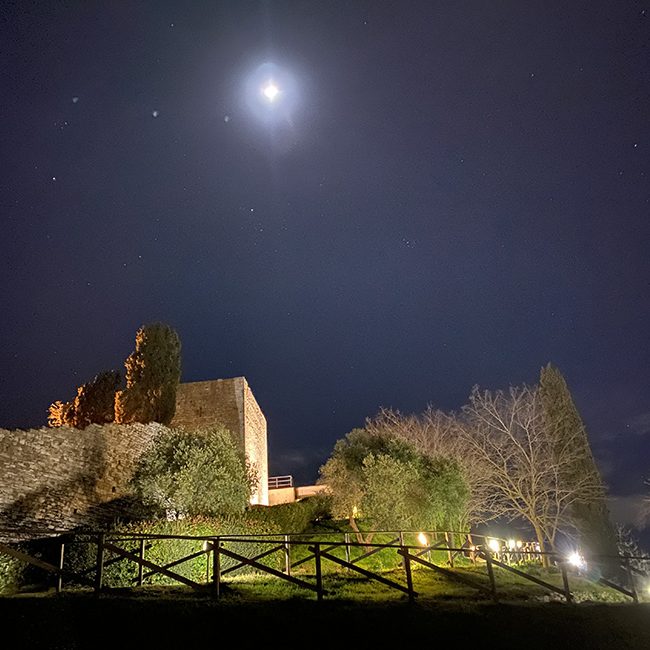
229, 402
53, 480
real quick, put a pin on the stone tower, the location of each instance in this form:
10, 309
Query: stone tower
229, 402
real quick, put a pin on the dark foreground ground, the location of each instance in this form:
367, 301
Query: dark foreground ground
69, 621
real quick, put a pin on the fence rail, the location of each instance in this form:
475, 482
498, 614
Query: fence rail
227, 554
280, 482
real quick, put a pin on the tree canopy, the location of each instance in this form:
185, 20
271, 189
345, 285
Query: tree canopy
524, 454
94, 403
194, 473
589, 515
388, 484
153, 371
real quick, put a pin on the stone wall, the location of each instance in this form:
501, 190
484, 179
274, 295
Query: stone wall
229, 402
291, 494
205, 403
55, 480
255, 445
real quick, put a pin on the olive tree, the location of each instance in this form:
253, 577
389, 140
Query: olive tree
437, 434
386, 483
194, 473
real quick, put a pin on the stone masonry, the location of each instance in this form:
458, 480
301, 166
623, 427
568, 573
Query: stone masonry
229, 402
55, 480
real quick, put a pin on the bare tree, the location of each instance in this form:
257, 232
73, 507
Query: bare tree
523, 465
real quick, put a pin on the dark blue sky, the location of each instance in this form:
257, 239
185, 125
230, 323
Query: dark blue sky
451, 194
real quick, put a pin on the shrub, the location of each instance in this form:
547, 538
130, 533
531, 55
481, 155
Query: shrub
201, 473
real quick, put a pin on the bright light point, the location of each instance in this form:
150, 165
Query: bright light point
272, 95
577, 560
511, 544
519, 543
494, 545
422, 539
270, 91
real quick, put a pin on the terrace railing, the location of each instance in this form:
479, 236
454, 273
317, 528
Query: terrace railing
280, 482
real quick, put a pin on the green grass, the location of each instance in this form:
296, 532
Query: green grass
259, 610
348, 585
172, 618
343, 585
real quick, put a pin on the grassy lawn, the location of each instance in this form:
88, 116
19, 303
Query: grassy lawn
429, 585
266, 611
178, 619
259, 610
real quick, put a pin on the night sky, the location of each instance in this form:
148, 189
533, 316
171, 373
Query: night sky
443, 194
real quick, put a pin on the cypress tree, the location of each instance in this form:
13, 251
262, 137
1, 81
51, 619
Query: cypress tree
95, 400
590, 514
153, 371
94, 403
61, 414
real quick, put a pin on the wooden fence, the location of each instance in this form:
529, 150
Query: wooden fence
436, 551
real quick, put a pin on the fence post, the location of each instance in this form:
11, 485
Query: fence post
472, 554
565, 582
630, 577
207, 547
99, 572
347, 549
450, 557
216, 566
59, 580
401, 543
407, 572
490, 570
287, 555
319, 574
141, 566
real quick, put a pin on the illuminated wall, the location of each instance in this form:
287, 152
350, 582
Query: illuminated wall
55, 480
229, 402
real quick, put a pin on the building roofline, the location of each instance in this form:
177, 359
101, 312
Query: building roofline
211, 381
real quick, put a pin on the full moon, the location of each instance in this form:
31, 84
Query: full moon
272, 95
270, 91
